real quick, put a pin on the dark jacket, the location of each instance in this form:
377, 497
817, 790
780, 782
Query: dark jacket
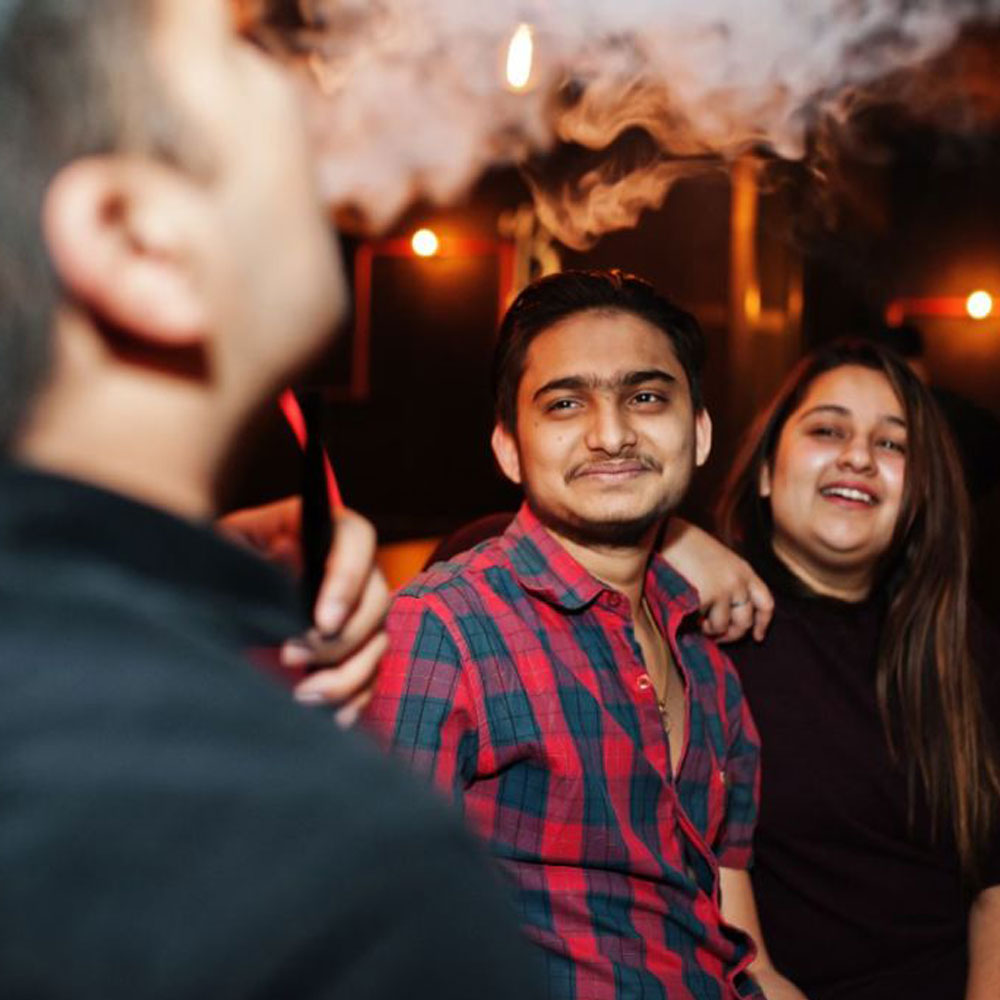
171, 824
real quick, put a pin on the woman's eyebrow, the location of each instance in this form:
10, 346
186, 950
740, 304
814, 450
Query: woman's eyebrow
843, 411
840, 411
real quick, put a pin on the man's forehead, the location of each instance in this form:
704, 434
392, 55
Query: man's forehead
599, 348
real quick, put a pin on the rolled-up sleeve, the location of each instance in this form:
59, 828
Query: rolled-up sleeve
742, 769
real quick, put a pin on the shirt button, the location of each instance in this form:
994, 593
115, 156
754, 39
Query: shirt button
614, 600
644, 682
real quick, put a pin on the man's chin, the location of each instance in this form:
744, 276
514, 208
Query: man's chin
610, 531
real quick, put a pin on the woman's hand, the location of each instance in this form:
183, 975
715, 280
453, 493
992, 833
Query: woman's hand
734, 599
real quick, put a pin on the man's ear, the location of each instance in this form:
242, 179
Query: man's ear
123, 237
702, 436
505, 452
764, 482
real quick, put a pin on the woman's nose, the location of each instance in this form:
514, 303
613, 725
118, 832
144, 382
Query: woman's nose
857, 454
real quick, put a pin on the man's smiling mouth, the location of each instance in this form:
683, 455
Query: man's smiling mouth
619, 468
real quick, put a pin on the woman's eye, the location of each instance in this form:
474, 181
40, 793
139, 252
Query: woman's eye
890, 445
826, 431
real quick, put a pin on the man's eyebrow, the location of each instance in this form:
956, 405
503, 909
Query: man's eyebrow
843, 411
626, 380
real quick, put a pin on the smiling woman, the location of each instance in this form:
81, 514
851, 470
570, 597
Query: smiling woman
835, 483
880, 775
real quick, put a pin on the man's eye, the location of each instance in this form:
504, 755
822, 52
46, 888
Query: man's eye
648, 396
561, 405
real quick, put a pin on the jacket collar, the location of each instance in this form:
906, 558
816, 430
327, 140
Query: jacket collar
53, 529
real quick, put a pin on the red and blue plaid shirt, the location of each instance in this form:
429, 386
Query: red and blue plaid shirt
514, 679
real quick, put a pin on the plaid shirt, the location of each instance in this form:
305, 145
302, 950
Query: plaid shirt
514, 679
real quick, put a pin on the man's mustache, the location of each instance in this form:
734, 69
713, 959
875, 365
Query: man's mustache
645, 463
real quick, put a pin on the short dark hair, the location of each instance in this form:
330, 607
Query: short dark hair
551, 299
75, 80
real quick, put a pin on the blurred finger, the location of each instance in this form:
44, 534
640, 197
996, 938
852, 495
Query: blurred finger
741, 617
351, 712
318, 650
348, 569
340, 685
715, 620
258, 527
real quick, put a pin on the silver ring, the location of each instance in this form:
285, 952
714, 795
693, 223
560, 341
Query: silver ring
739, 604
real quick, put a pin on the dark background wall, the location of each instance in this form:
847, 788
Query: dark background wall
414, 453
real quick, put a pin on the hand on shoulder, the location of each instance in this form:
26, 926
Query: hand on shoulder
734, 599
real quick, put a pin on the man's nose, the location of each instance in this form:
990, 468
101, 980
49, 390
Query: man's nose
610, 429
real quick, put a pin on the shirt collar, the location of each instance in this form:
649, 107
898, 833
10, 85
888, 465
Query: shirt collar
666, 587
547, 570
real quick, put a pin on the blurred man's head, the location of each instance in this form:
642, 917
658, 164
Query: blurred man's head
164, 258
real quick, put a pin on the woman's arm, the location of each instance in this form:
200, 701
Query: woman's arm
740, 910
734, 598
984, 946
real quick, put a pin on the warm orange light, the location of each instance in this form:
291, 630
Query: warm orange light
979, 305
895, 314
425, 243
520, 57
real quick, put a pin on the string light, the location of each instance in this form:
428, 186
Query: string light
979, 305
425, 243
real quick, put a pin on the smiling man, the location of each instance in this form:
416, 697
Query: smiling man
173, 825
555, 681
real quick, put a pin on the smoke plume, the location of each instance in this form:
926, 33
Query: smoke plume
624, 96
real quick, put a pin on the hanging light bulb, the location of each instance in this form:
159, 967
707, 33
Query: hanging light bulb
520, 57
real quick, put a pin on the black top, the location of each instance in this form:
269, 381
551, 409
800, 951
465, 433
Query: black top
172, 825
855, 904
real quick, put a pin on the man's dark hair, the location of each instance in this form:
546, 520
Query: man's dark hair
551, 299
75, 80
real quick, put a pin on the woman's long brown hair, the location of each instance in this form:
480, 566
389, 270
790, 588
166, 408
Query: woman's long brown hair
927, 683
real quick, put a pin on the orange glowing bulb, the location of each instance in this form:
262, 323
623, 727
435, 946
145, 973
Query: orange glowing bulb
520, 57
979, 305
425, 243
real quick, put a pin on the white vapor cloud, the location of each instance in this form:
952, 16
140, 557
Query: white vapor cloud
414, 101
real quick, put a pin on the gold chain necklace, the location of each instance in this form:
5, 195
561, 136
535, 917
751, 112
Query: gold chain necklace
661, 699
